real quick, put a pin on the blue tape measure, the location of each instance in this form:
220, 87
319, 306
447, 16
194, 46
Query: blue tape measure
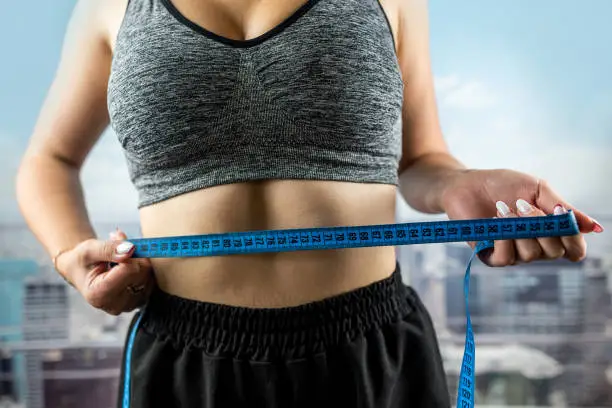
483, 231
353, 237
467, 375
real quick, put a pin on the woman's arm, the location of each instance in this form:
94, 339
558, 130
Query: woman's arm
426, 162
433, 181
72, 118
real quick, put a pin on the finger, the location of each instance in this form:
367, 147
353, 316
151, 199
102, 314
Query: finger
551, 247
111, 311
504, 252
129, 301
548, 199
575, 246
139, 299
117, 235
109, 290
123, 301
96, 251
527, 249
117, 279
135, 295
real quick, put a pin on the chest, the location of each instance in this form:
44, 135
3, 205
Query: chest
240, 20
330, 76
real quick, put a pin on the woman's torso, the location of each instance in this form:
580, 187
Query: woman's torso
265, 280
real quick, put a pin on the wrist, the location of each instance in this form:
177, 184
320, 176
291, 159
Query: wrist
58, 269
424, 184
449, 185
59, 264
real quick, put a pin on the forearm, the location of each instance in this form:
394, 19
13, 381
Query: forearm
50, 197
423, 182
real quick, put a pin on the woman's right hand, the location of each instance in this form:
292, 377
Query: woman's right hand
117, 287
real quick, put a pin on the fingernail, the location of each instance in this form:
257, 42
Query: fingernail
523, 206
559, 210
503, 208
597, 228
124, 247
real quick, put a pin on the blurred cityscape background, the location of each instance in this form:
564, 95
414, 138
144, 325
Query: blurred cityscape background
520, 84
543, 330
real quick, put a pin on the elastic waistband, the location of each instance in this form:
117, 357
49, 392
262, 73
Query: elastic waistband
264, 334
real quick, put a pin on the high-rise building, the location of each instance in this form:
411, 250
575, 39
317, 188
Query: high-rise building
424, 268
86, 376
7, 380
557, 307
13, 273
46, 319
62, 372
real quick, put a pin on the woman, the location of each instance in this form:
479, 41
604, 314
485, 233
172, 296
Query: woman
250, 115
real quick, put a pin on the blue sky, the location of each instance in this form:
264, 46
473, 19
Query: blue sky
522, 84
559, 48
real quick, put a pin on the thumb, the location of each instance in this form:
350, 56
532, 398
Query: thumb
117, 235
97, 253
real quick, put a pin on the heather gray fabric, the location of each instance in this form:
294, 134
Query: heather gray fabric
318, 97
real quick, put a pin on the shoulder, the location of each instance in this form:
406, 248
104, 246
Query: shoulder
413, 36
391, 9
413, 21
408, 19
99, 18
114, 13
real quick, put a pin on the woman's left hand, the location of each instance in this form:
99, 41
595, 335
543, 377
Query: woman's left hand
507, 193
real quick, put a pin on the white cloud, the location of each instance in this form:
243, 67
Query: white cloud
447, 83
454, 93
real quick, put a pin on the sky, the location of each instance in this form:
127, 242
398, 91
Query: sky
520, 84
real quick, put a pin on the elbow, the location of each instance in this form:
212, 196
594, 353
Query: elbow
440, 158
24, 178
21, 184
35, 167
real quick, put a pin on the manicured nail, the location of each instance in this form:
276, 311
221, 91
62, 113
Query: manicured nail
523, 206
559, 210
124, 247
503, 208
597, 228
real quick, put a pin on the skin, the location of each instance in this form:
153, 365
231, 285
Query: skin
431, 180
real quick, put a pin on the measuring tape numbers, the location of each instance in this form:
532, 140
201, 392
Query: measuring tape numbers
482, 231
250, 242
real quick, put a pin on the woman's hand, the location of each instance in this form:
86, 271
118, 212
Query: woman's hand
104, 274
506, 193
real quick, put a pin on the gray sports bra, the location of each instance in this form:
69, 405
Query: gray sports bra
318, 97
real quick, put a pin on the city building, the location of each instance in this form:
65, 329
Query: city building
508, 374
82, 376
7, 380
46, 319
13, 274
557, 307
62, 372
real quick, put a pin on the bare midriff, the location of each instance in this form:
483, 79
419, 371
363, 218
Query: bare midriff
272, 279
